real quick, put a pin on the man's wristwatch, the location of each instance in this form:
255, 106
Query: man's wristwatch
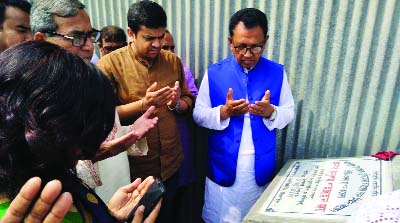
273, 115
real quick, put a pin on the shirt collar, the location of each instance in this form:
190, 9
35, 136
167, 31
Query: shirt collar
238, 66
136, 56
247, 70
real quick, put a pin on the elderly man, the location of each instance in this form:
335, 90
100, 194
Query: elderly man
243, 99
66, 24
14, 23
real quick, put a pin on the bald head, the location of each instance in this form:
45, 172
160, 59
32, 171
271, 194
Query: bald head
168, 42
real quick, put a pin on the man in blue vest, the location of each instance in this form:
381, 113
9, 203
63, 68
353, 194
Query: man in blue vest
242, 99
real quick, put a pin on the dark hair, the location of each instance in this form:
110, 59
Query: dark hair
55, 108
146, 13
251, 18
112, 34
21, 4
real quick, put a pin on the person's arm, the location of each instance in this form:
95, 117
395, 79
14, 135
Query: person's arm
203, 114
139, 128
190, 81
51, 206
135, 108
285, 109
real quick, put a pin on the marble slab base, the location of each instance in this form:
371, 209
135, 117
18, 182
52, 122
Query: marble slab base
324, 190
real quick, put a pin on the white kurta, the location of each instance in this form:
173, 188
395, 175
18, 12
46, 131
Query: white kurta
231, 204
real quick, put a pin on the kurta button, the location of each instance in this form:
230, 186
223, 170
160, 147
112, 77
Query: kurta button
237, 141
257, 158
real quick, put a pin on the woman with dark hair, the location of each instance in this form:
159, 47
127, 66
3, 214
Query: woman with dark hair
56, 109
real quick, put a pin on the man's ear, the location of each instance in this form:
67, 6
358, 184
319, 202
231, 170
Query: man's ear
39, 36
131, 35
230, 39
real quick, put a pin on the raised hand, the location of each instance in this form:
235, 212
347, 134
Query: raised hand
115, 146
233, 107
156, 97
136, 131
50, 207
144, 123
177, 94
262, 108
127, 197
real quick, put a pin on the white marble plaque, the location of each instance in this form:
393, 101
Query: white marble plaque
330, 189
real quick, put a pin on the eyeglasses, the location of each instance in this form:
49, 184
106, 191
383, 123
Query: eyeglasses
166, 47
112, 48
242, 48
80, 39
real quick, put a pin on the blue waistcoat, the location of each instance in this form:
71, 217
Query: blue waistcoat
223, 146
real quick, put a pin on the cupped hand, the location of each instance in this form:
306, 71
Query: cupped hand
262, 108
127, 197
176, 96
157, 98
233, 107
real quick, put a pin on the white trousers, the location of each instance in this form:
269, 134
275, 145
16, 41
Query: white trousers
231, 204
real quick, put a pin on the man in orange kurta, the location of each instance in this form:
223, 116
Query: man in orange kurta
144, 76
